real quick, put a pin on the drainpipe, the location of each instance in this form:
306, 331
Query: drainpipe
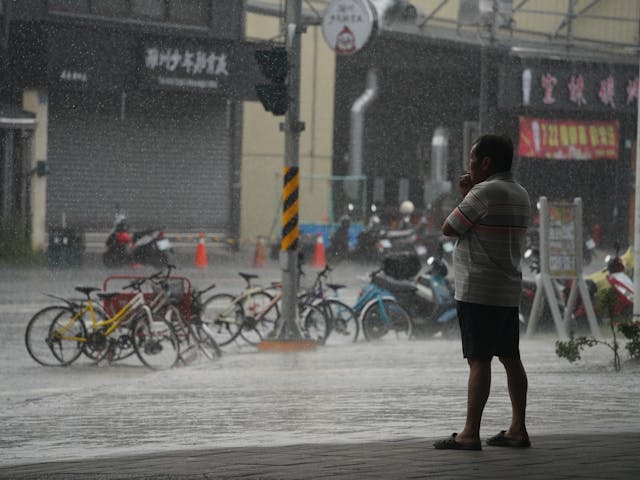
358, 111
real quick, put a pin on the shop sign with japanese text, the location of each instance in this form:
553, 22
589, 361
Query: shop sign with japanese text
347, 25
568, 139
206, 68
87, 61
569, 86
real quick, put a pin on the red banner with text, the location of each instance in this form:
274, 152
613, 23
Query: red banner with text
568, 139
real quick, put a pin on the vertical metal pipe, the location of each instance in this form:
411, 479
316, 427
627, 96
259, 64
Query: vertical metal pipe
570, 22
358, 113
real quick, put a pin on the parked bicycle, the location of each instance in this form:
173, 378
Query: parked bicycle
174, 299
58, 335
343, 322
253, 315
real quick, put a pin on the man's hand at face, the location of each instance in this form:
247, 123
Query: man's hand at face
465, 184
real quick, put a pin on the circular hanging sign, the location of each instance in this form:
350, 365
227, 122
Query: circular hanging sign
347, 25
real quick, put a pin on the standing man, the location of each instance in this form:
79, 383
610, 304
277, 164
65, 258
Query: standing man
491, 224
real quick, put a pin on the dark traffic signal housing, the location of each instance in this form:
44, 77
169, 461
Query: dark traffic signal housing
274, 65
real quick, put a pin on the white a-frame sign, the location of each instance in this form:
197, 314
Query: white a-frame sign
561, 258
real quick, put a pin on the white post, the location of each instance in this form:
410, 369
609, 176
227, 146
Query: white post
636, 226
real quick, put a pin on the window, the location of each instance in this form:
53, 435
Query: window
153, 9
192, 12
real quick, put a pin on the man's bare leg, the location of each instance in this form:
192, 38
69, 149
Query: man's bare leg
477, 395
518, 384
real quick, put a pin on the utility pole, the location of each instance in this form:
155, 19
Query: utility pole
288, 328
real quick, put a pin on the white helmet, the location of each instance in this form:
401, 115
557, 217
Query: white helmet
407, 207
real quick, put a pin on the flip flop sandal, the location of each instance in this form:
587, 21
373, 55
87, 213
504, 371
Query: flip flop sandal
451, 444
500, 440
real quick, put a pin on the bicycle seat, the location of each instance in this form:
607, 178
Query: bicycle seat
87, 290
107, 295
335, 286
248, 276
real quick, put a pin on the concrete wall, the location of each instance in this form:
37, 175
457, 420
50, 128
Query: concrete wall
263, 142
37, 102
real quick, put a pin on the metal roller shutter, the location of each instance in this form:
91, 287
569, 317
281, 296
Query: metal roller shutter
165, 162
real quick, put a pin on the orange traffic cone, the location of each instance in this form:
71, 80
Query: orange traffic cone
319, 255
260, 257
201, 253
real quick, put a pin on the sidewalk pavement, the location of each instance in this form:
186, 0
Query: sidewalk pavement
602, 456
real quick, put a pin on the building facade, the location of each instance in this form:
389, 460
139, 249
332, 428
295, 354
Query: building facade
136, 107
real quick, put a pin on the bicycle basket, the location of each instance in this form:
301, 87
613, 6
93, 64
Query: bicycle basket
176, 289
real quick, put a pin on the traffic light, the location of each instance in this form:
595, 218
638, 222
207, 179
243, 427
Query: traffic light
274, 65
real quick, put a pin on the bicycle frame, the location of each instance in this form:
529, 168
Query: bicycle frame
136, 303
242, 298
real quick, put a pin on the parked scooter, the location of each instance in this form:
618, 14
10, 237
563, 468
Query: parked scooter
425, 292
339, 241
366, 243
147, 247
621, 283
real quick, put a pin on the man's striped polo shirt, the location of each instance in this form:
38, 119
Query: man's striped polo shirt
491, 222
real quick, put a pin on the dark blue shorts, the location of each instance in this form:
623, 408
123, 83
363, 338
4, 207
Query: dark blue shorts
488, 331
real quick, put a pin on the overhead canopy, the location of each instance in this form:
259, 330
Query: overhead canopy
595, 30
15, 118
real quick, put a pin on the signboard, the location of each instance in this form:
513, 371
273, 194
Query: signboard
562, 239
347, 25
568, 139
576, 86
188, 66
561, 256
87, 60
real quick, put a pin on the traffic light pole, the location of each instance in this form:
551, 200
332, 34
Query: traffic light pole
289, 330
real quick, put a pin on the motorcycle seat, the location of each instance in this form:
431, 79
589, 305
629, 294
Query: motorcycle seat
398, 234
335, 286
393, 285
87, 290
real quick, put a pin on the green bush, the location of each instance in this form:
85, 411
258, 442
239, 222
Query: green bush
14, 245
628, 328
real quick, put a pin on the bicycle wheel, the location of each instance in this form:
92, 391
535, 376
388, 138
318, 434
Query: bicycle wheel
223, 317
54, 338
155, 341
315, 324
386, 319
186, 335
206, 341
260, 317
344, 322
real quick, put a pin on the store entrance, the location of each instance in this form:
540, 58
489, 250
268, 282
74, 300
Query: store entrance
14, 176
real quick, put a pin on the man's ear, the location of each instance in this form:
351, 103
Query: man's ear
486, 164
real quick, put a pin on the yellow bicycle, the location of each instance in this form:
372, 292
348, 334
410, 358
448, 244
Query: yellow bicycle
58, 335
